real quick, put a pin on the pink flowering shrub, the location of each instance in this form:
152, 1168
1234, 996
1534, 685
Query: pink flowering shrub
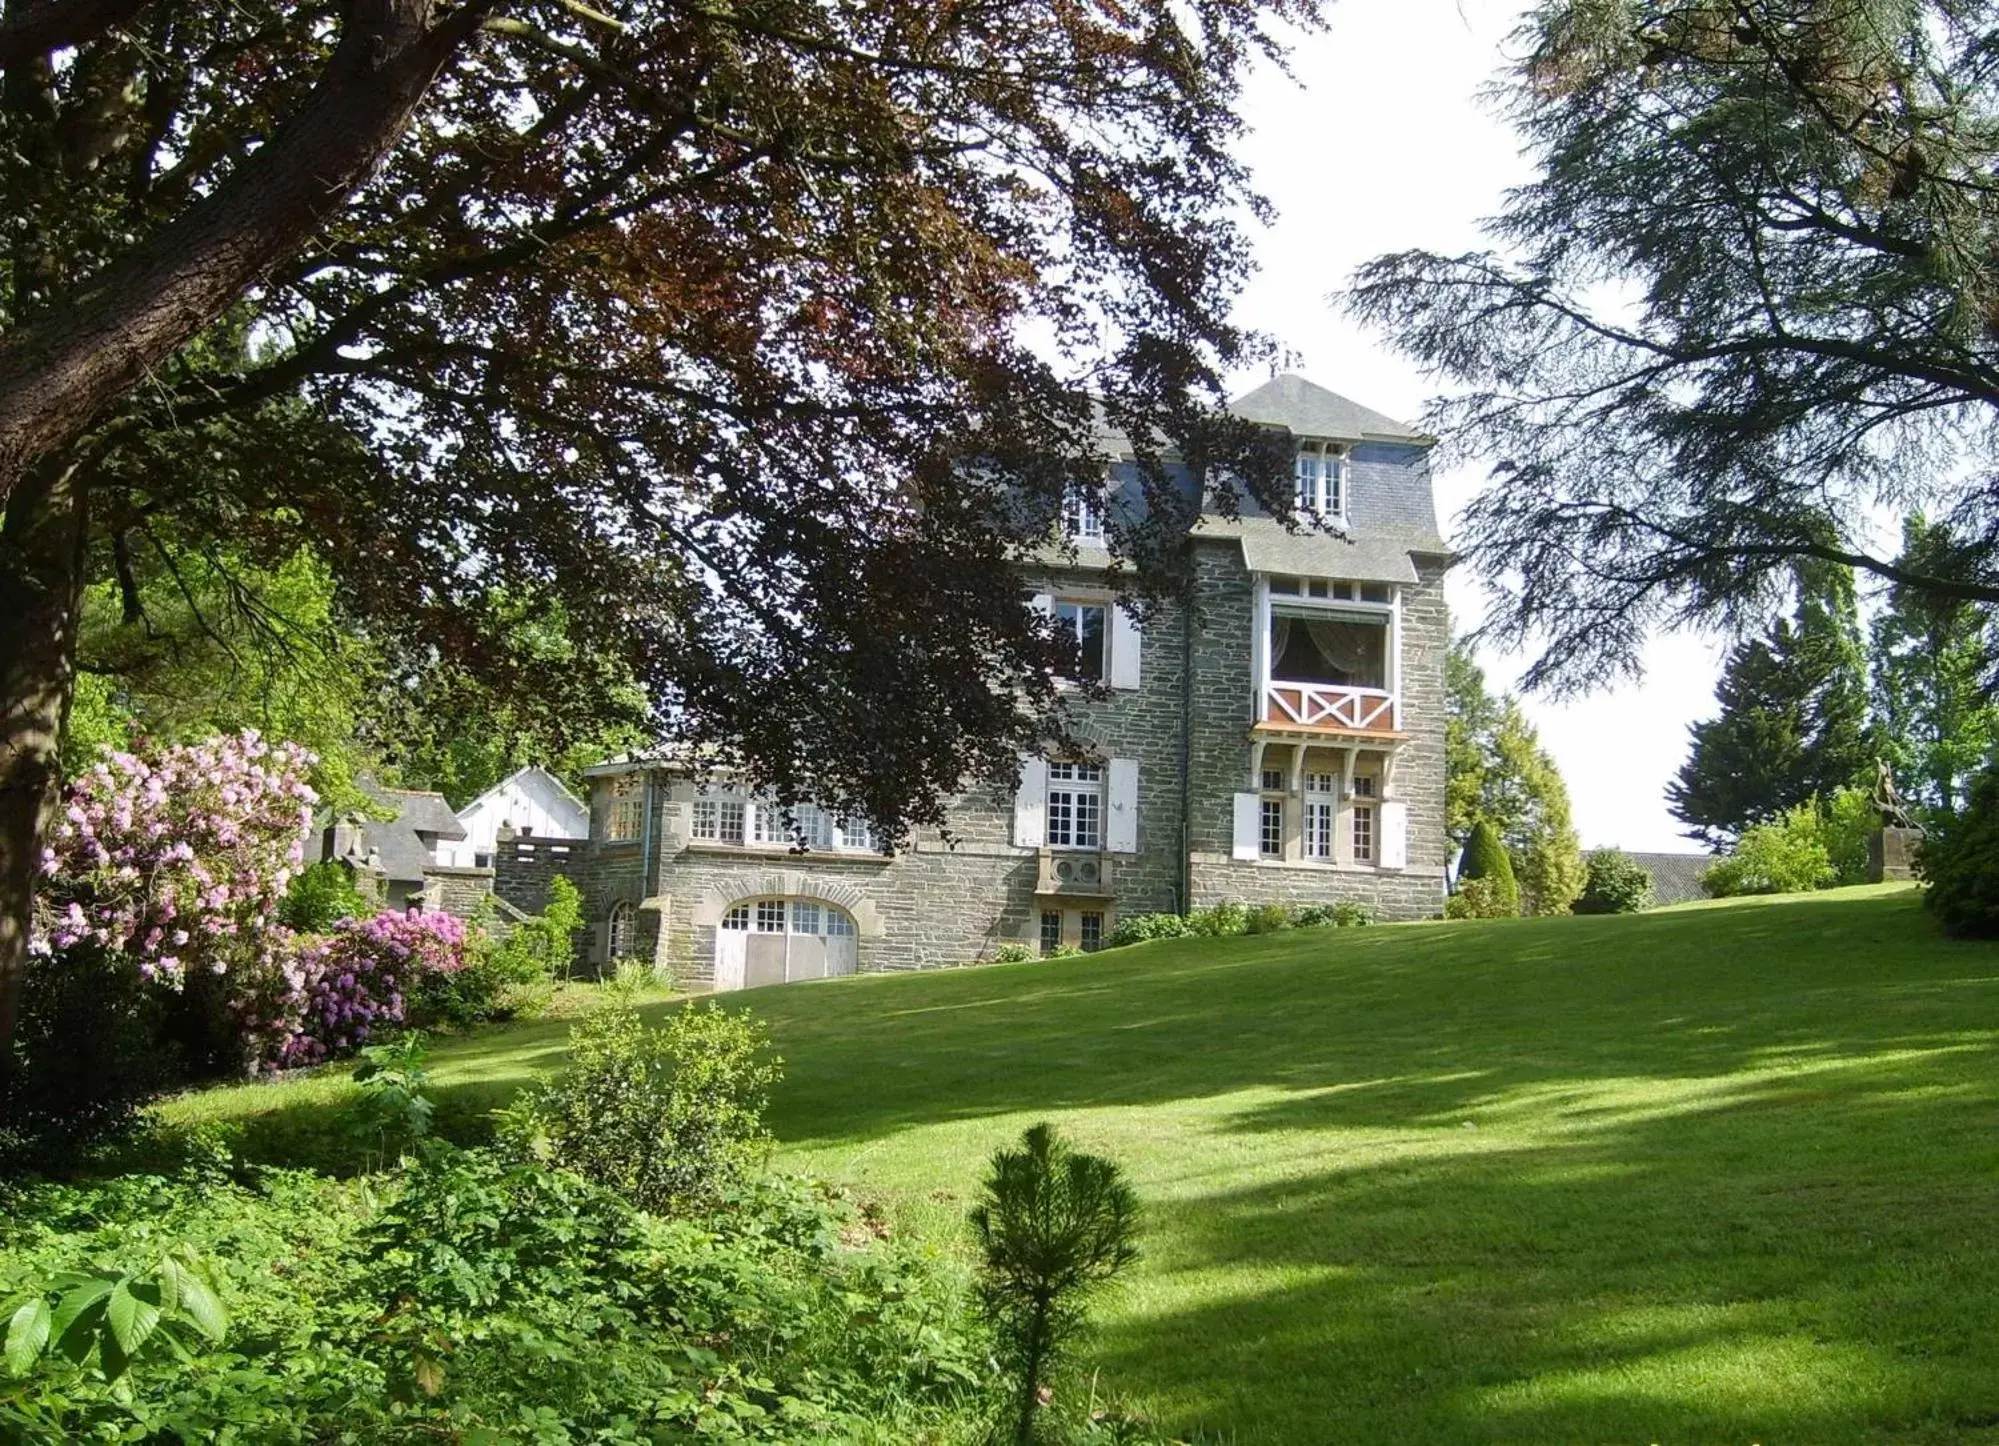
363, 978
174, 858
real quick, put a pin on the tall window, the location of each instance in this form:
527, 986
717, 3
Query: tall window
1082, 515
623, 917
1322, 480
1363, 833
857, 833
1090, 931
1051, 932
1087, 622
1271, 831
1075, 806
627, 807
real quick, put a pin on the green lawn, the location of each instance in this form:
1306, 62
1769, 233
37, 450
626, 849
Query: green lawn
1715, 1174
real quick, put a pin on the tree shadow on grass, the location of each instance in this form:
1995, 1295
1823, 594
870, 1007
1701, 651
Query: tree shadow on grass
1802, 1255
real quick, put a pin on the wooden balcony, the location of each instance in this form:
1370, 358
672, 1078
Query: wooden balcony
1326, 708
1074, 873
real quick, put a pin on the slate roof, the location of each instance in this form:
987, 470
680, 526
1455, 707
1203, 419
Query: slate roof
420, 812
1676, 878
1309, 410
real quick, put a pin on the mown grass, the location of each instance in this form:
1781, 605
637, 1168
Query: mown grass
1714, 1174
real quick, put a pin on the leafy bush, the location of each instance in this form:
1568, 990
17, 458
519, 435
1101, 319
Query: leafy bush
478, 1299
542, 946
1222, 921
1847, 824
1344, 915
1053, 1227
1959, 862
1267, 919
393, 1112
671, 1118
1486, 858
321, 896
1613, 883
1785, 857
1015, 953
1137, 928
1481, 899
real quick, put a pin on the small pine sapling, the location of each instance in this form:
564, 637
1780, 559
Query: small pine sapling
1053, 1227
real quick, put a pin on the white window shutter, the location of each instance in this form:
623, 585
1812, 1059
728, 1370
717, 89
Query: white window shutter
1395, 835
1030, 805
1121, 827
1124, 649
1248, 826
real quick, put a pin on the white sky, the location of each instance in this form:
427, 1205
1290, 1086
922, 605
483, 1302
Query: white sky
1380, 144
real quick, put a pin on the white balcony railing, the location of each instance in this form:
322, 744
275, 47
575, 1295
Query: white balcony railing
1325, 705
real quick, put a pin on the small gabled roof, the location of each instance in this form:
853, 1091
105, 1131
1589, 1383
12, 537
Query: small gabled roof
517, 774
1676, 878
1309, 410
417, 810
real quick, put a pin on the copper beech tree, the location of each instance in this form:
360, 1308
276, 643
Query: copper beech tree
696, 324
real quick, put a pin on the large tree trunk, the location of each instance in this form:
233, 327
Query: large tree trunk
42, 538
63, 367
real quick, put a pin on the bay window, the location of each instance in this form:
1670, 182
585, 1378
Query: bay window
1329, 646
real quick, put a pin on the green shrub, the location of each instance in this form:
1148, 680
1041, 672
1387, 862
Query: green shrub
1344, 915
1959, 862
1486, 858
1018, 953
1138, 928
1222, 921
393, 1112
465, 1297
1053, 1227
671, 1118
1480, 899
1267, 919
321, 896
1785, 857
1613, 883
1847, 824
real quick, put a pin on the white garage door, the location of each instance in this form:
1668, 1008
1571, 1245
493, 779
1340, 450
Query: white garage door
777, 941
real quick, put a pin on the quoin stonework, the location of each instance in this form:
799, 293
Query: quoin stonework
1276, 737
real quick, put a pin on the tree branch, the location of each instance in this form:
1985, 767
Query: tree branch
30, 30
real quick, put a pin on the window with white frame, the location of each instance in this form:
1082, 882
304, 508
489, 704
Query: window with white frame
1363, 833
1322, 480
839, 924
627, 812
1322, 809
1089, 624
802, 823
770, 916
1083, 514
1329, 590
1272, 780
718, 820
857, 833
1364, 785
737, 919
1329, 646
1075, 806
805, 917
1270, 828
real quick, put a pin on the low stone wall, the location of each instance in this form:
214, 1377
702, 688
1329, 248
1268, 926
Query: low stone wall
458, 891
1389, 896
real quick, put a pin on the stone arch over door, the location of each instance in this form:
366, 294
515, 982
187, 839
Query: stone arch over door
793, 884
754, 927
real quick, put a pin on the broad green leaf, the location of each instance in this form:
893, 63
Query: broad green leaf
133, 1317
77, 1315
199, 1304
27, 1334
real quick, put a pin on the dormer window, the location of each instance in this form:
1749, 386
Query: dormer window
1083, 515
1322, 480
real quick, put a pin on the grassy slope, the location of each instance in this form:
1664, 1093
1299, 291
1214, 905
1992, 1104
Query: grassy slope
1724, 1173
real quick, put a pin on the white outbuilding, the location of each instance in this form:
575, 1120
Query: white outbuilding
533, 802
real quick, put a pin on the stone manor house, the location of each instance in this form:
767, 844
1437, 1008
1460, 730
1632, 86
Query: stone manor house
1277, 737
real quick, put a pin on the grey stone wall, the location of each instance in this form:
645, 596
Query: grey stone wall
457, 891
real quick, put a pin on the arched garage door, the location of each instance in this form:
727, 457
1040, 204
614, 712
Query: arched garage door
776, 941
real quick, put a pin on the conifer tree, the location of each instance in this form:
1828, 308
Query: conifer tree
1933, 661
1793, 723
